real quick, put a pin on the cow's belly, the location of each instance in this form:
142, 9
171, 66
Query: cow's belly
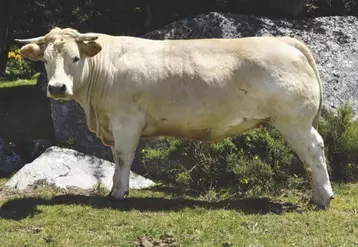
205, 132
206, 117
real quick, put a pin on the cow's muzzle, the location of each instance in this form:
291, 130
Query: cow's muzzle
59, 90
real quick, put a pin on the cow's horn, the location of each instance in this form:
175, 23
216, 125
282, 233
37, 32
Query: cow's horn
36, 40
87, 37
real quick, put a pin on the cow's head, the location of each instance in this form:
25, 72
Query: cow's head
63, 52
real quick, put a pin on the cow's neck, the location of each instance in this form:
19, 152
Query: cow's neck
92, 77
92, 96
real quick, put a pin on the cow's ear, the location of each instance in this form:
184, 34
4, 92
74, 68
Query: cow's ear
32, 52
90, 49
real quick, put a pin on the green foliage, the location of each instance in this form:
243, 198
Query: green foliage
255, 162
17, 68
340, 133
100, 189
69, 143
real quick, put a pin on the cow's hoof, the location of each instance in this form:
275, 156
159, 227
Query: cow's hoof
115, 196
321, 203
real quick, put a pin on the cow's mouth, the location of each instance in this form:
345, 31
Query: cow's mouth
59, 96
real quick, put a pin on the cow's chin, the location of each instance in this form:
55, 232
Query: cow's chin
64, 96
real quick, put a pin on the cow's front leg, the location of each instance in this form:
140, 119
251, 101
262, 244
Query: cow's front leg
126, 139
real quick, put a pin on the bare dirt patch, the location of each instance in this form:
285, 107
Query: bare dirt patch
165, 240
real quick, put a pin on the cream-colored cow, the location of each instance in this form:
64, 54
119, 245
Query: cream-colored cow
201, 89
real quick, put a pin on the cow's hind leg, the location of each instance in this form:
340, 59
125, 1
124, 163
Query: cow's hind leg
309, 146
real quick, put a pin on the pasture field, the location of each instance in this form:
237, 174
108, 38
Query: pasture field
160, 216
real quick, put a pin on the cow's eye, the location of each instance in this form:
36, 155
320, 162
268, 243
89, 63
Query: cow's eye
76, 59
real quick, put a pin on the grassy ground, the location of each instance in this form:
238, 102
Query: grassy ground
28, 82
47, 217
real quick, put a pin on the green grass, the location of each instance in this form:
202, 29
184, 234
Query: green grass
2, 181
47, 217
17, 83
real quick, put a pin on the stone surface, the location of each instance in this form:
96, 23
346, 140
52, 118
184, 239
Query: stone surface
63, 168
9, 160
333, 41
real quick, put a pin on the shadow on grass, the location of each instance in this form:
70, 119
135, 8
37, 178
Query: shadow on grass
20, 208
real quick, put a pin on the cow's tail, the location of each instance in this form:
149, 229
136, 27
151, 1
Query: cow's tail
308, 54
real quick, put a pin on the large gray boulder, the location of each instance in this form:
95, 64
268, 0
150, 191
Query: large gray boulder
66, 168
9, 160
333, 41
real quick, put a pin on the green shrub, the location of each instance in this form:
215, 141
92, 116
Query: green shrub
17, 68
255, 162
339, 130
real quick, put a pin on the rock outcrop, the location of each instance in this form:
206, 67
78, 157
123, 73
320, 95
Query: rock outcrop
67, 168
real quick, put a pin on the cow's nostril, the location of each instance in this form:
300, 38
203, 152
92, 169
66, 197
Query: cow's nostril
50, 88
57, 89
63, 88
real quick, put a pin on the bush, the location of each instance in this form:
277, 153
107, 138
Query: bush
340, 133
255, 162
17, 68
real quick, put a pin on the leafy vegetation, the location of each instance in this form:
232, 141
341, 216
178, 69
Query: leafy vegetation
18, 72
255, 162
47, 217
17, 68
339, 130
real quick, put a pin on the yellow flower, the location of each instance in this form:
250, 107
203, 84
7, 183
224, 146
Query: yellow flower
18, 57
11, 54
